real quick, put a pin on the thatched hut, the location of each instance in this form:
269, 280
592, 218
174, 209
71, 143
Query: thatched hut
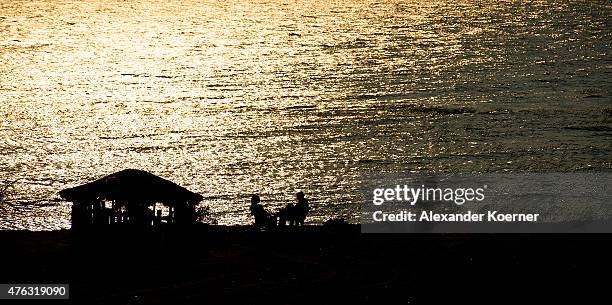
131, 196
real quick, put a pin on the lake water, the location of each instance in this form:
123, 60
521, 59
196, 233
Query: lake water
231, 97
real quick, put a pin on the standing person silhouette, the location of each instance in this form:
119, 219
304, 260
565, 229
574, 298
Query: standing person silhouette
301, 209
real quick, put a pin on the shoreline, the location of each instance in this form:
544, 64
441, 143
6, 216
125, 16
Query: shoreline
236, 264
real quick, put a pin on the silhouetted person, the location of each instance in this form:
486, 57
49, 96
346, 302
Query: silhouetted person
288, 214
262, 218
301, 209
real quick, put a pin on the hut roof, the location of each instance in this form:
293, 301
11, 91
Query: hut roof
132, 185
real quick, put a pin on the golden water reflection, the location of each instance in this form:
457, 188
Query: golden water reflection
229, 97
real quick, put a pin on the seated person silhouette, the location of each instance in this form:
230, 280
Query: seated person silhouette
262, 218
286, 214
301, 209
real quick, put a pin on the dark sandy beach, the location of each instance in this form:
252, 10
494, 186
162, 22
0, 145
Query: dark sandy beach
213, 265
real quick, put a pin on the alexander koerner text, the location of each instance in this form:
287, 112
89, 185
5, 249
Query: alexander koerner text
429, 216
